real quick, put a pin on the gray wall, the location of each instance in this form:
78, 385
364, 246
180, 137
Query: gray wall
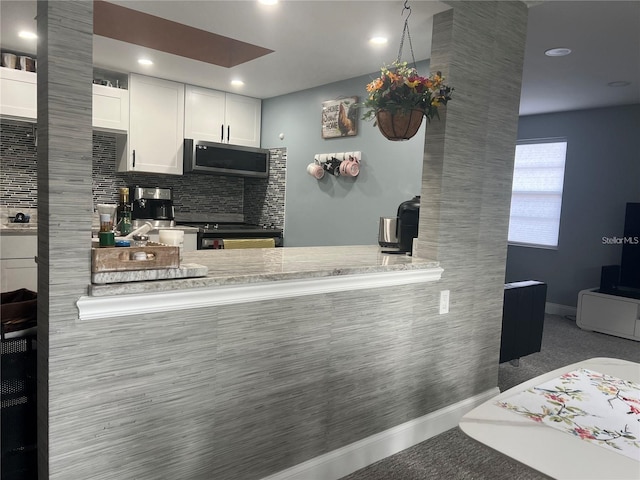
602, 174
339, 211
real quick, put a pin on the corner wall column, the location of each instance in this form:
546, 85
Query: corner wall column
468, 159
65, 72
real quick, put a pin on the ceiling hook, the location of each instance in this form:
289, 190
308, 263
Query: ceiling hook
406, 7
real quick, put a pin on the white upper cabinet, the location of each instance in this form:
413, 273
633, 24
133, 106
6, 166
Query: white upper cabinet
156, 126
110, 109
204, 114
222, 117
18, 94
243, 115
18, 100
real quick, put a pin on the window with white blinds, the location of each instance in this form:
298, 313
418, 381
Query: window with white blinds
536, 197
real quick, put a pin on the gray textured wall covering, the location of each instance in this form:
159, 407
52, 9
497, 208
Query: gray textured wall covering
64, 211
244, 391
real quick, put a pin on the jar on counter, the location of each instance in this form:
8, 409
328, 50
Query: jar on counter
140, 240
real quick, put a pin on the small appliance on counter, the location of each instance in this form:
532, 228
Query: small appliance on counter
152, 204
396, 234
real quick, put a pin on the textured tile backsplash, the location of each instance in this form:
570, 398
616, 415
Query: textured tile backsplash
260, 201
18, 175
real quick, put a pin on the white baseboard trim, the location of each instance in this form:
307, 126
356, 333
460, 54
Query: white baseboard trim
348, 459
558, 309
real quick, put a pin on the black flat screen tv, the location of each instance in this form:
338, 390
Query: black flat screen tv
630, 261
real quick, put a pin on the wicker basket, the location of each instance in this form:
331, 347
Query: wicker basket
399, 126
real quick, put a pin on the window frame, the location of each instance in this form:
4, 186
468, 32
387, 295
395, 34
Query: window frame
536, 141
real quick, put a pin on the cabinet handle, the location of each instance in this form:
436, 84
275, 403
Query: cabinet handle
228, 133
134, 159
222, 133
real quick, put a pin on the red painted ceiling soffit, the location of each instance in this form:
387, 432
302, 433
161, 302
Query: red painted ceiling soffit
131, 26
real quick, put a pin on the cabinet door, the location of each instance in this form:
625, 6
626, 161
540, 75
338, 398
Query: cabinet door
18, 273
204, 114
18, 268
18, 94
243, 116
110, 109
156, 125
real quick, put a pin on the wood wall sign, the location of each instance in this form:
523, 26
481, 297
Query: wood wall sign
340, 118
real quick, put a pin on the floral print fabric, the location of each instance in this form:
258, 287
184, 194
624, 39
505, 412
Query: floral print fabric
592, 406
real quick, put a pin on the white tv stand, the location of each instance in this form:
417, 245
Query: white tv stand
611, 314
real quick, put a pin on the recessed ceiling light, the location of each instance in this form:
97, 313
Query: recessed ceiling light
145, 61
378, 40
237, 83
557, 52
27, 35
619, 83
268, 2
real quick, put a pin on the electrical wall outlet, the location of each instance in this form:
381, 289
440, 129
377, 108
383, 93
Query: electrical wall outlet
444, 301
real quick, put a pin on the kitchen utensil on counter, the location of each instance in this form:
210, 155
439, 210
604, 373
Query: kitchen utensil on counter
107, 214
21, 218
388, 233
408, 216
140, 240
153, 205
396, 234
172, 238
142, 230
124, 212
106, 239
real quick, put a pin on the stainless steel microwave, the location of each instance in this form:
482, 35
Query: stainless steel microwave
224, 159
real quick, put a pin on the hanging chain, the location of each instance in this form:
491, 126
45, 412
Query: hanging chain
405, 31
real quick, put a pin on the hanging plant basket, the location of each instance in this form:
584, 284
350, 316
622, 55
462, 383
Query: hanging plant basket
400, 88
399, 126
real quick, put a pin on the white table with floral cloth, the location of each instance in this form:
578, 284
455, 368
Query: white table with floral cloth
578, 422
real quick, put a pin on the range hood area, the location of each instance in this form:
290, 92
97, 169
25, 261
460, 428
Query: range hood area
224, 159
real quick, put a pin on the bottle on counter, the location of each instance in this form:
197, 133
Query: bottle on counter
124, 212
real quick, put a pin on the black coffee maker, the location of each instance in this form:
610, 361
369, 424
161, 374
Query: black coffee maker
408, 216
153, 205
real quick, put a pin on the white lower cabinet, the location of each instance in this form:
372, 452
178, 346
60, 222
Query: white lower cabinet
18, 268
156, 126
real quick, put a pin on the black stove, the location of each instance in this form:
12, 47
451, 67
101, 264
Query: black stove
211, 235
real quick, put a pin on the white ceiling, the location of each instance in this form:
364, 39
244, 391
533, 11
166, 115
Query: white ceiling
319, 42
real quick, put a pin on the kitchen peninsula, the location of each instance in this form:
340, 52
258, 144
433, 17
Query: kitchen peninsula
261, 273
273, 352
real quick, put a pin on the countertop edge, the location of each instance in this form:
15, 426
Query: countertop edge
30, 230
94, 307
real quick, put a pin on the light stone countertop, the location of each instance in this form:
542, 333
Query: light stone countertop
260, 265
19, 228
